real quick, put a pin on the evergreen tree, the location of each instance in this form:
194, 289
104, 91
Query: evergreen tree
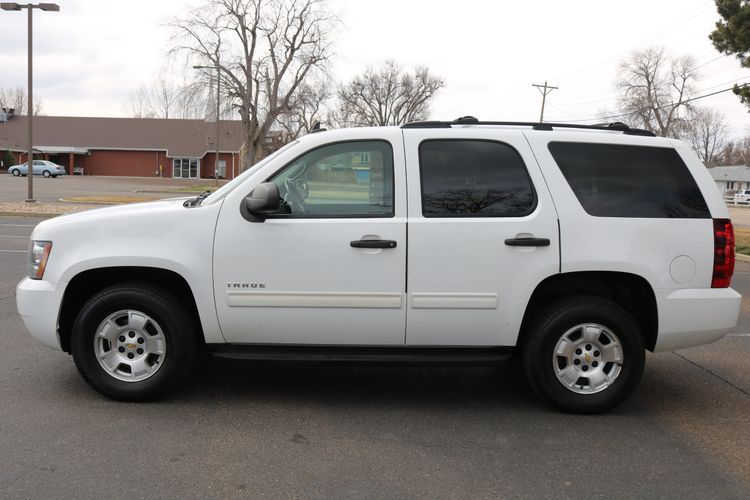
732, 36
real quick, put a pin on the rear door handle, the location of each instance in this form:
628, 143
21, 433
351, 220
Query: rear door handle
527, 242
373, 244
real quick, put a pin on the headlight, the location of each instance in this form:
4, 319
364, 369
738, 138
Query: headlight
38, 255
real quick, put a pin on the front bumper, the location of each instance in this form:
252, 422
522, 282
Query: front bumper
693, 317
38, 303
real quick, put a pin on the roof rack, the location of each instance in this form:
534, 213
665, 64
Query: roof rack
317, 128
470, 120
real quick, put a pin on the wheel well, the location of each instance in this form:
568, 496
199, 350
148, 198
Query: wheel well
84, 285
629, 291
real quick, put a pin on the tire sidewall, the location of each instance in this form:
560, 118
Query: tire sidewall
540, 362
170, 318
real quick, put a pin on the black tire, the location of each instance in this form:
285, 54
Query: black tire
15, 172
46, 173
563, 317
169, 315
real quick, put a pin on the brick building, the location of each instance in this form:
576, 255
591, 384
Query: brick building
141, 147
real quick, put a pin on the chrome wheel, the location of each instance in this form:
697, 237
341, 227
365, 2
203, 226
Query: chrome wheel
587, 358
130, 345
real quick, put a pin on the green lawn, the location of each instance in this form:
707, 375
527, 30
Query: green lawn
742, 240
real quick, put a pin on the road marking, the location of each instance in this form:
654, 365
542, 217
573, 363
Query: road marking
14, 251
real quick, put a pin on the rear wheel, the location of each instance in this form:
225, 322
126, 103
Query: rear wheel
584, 354
134, 341
46, 173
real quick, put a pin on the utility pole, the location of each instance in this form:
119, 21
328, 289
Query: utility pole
544, 89
49, 7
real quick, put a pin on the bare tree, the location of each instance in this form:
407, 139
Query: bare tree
387, 96
736, 152
140, 104
16, 99
653, 89
161, 99
707, 133
306, 110
264, 50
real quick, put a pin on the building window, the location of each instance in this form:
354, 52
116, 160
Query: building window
185, 168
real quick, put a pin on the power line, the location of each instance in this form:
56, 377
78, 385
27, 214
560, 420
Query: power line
694, 13
660, 107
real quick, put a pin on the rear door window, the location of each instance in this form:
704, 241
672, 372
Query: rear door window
473, 178
616, 180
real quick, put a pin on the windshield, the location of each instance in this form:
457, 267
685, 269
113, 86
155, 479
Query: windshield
227, 188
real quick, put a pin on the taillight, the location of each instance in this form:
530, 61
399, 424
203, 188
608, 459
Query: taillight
723, 253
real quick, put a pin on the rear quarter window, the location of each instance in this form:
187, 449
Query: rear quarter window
616, 180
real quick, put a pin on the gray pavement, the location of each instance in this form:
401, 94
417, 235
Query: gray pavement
740, 215
281, 430
52, 190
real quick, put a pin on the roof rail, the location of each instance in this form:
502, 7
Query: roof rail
470, 120
317, 128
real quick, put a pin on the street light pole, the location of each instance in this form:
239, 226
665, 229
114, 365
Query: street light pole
51, 7
218, 110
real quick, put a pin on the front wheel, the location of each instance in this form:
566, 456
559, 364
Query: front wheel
15, 172
134, 341
584, 354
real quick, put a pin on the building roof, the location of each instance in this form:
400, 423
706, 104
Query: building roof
733, 173
179, 138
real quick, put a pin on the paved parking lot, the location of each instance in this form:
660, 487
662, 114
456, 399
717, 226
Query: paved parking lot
280, 430
51, 190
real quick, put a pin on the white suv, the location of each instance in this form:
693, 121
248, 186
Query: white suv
742, 196
575, 247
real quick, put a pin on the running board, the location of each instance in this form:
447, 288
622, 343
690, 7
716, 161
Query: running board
389, 355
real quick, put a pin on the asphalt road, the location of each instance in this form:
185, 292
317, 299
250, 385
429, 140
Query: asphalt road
280, 430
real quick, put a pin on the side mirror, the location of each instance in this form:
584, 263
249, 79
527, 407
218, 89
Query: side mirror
261, 202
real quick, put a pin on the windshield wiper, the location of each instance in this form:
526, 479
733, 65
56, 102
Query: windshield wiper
192, 202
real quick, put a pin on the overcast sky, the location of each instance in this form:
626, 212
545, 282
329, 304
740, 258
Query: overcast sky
92, 53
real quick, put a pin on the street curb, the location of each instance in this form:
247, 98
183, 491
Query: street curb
742, 257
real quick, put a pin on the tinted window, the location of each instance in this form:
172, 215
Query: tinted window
629, 181
472, 178
350, 179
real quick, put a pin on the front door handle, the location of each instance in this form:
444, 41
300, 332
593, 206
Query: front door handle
373, 244
527, 242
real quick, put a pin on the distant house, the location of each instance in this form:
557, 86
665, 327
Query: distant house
141, 147
731, 179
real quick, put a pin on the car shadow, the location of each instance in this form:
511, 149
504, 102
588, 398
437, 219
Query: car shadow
356, 385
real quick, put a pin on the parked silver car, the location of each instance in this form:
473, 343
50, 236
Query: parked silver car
41, 167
